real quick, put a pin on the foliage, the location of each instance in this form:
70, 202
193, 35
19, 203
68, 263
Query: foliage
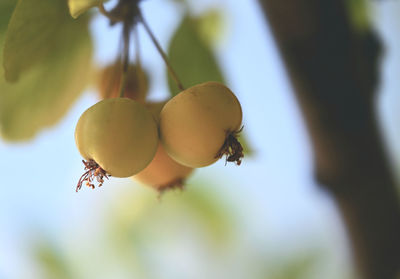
78, 7
139, 237
47, 62
52, 260
6, 8
359, 16
191, 57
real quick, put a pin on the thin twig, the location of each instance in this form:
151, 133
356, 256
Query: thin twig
125, 62
137, 48
107, 14
162, 53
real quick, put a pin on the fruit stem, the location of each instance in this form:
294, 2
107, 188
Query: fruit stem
107, 14
162, 53
138, 68
137, 48
125, 62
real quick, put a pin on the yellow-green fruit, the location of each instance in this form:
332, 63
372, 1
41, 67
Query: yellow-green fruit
196, 124
109, 81
163, 172
119, 134
155, 109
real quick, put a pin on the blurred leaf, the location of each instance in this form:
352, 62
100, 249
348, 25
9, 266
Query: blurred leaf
78, 7
191, 57
51, 261
57, 69
210, 208
358, 12
298, 266
36, 31
139, 217
210, 26
6, 9
247, 149
205, 206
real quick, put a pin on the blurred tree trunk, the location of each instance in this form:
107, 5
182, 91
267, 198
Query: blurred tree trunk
334, 71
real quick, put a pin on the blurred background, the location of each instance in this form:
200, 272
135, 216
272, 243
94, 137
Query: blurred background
264, 219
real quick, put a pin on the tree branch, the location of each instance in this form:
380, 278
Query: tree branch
334, 70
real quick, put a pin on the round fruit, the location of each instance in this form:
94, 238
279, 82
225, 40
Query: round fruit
155, 109
117, 136
136, 88
200, 124
163, 172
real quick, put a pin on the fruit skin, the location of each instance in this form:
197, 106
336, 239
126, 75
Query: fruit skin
137, 84
195, 123
155, 109
119, 134
163, 172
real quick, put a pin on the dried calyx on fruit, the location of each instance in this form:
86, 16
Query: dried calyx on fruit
117, 137
201, 124
136, 86
93, 171
163, 173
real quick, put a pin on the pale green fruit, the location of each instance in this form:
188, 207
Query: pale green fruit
119, 134
163, 172
200, 121
155, 109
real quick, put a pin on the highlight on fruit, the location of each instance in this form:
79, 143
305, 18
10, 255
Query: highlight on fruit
117, 137
201, 124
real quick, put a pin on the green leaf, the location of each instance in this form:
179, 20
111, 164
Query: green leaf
247, 149
137, 217
51, 261
52, 78
359, 14
210, 26
36, 31
78, 7
191, 57
299, 266
6, 9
